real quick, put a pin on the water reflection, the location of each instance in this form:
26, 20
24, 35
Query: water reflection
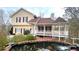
41, 46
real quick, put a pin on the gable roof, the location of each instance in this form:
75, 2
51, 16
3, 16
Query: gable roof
19, 11
59, 19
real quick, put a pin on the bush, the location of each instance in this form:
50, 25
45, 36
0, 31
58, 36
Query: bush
21, 38
3, 40
18, 38
29, 37
26, 32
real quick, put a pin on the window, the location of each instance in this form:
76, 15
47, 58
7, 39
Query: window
21, 30
25, 19
24, 29
18, 19
40, 28
62, 28
17, 30
56, 28
48, 28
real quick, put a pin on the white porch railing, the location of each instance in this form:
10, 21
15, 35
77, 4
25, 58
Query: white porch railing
46, 33
55, 33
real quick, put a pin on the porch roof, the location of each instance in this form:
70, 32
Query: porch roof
42, 21
39, 20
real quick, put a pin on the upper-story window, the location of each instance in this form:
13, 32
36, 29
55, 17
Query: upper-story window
18, 19
25, 19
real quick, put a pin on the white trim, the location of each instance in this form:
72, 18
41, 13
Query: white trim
59, 33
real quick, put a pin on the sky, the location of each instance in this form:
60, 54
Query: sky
46, 11
36, 6
58, 11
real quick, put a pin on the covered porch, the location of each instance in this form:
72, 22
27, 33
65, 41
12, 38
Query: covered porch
50, 30
44, 30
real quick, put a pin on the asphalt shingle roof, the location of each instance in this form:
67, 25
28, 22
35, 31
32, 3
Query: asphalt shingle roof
39, 20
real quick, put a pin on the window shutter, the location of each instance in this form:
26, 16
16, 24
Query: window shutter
23, 19
16, 19
19, 19
21, 30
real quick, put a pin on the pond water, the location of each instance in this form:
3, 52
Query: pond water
41, 46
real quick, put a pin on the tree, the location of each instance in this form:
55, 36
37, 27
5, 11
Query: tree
3, 40
73, 14
3, 36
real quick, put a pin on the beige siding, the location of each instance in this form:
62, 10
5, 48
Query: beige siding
23, 25
22, 13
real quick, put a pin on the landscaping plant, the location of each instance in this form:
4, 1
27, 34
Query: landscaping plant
3, 40
30, 37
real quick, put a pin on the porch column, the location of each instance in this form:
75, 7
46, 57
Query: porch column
22, 31
65, 34
13, 30
34, 30
59, 32
52, 30
44, 30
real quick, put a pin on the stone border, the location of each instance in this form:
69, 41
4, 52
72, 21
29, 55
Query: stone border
32, 41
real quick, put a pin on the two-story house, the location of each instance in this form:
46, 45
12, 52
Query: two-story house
24, 20
20, 21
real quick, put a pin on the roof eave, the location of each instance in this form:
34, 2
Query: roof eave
19, 10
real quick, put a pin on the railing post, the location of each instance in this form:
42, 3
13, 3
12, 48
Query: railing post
59, 32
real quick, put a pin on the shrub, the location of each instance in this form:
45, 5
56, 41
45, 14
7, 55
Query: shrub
18, 38
21, 38
26, 32
29, 37
3, 40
